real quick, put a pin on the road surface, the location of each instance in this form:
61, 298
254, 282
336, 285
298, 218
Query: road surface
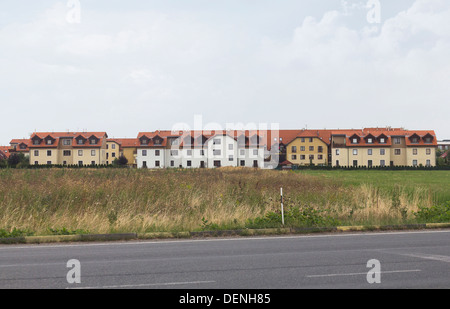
417, 259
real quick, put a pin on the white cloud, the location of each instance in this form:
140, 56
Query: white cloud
140, 70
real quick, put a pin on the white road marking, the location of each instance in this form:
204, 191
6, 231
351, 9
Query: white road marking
365, 273
141, 285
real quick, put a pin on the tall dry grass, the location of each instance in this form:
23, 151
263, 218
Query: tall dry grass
126, 200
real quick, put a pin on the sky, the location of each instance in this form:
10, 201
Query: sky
130, 66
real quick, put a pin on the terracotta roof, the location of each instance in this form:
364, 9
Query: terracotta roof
56, 136
16, 143
4, 152
125, 142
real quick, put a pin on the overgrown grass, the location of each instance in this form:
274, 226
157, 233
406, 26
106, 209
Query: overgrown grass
77, 201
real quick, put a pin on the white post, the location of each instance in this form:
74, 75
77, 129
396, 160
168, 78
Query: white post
282, 210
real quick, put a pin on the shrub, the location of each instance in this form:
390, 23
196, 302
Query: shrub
436, 213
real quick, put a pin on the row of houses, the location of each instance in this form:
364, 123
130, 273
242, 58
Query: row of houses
369, 147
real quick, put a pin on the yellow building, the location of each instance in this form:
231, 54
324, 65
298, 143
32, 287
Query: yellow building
68, 148
309, 147
373, 147
117, 147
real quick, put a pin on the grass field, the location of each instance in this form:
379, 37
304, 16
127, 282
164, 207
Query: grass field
70, 201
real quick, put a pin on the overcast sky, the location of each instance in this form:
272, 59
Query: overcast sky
130, 66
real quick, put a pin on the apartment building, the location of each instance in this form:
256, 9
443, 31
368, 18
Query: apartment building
20, 146
374, 147
117, 147
68, 148
199, 149
309, 147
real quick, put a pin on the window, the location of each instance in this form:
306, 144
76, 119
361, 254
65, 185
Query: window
92, 162
157, 152
174, 153
113, 146
217, 163
428, 139
144, 153
369, 152
382, 140
355, 141
355, 163
382, 152
49, 162
157, 163
36, 153
415, 140
144, 164
310, 139
80, 163
80, 141
302, 148
64, 162
230, 158
294, 157
80, 153
320, 149
397, 140
337, 152
294, 149
144, 141
355, 152
369, 163
337, 162
428, 151
369, 140
112, 154
302, 157
67, 153
319, 157
49, 153
242, 152
189, 152
36, 142
382, 163
311, 148
415, 151
93, 141
189, 163
172, 163
230, 146
397, 152
242, 162
414, 163
93, 153
36, 162
428, 162
67, 142
217, 141
303, 139
49, 142
255, 152
217, 152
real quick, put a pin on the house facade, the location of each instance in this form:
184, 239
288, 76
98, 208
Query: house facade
68, 148
374, 147
309, 147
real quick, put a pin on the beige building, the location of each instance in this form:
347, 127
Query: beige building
68, 148
373, 147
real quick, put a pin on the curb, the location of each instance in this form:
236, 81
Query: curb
204, 234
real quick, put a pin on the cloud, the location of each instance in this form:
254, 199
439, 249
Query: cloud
141, 70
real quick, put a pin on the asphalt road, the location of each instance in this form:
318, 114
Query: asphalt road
419, 259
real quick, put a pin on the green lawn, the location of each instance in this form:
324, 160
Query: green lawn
438, 182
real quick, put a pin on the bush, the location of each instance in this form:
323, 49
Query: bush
294, 217
437, 213
7, 233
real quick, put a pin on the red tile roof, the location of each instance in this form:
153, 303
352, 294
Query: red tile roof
56, 136
4, 152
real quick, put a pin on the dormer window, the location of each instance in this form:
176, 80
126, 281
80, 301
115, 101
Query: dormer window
93, 141
354, 141
382, 140
49, 142
369, 140
144, 141
415, 140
